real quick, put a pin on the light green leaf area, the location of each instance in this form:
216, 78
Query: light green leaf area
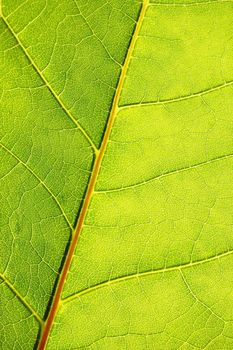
153, 267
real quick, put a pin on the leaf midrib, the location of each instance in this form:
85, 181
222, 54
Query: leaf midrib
97, 164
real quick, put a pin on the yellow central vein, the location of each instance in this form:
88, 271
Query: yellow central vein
90, 190
45, 81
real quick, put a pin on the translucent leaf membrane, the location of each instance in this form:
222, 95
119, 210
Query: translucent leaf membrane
152, 268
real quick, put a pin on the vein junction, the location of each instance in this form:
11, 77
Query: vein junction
91, 186
22, 299
145, 274
50, 88
172, 172
42, 182
177, 99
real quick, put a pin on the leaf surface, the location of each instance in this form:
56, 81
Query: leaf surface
117, 168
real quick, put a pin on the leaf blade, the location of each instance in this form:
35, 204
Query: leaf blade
162, 203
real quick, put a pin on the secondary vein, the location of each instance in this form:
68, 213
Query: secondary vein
41, 182
92, 182
177, 99
145, 274
21, 298
169, 173
46, 83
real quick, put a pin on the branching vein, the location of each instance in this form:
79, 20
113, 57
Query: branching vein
47, 84
21, 298
40, 181
92, 182
145, 274
177, 99
169, 173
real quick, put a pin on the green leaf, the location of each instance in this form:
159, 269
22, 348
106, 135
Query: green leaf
117, 168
